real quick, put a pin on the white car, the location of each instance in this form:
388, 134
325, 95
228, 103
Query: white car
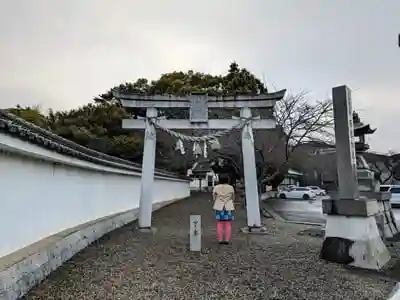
318, 191
298, 193
395, 192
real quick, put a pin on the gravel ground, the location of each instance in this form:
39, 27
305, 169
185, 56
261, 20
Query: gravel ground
126, 264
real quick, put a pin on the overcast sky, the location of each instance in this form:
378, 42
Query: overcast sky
61, 53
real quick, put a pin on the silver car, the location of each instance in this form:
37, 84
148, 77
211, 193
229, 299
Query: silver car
395, 192
317, 190
298, 193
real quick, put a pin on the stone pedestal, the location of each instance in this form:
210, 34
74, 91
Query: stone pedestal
352, 235
385, 218
365, 179
254, 230
147, 230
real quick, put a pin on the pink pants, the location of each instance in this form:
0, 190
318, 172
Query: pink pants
224, 226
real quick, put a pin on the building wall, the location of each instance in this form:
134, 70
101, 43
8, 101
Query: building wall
202, 183
291, 181
43, 193
321, 168
318, 169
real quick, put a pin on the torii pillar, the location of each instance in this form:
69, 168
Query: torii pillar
199, 104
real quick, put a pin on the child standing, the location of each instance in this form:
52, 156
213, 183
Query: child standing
224, 195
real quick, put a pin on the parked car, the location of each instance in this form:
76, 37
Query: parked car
317, 190
395, 191
298, 193
284, 188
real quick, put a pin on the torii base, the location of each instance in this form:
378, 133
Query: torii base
147, 230
254, 230
352, 236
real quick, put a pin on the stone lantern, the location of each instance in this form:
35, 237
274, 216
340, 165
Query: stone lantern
366, 177
368, 180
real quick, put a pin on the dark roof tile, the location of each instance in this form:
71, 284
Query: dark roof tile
17, 127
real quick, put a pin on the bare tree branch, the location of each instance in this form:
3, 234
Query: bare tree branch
300, 122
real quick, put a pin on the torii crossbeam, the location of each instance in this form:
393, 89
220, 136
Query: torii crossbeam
198, 104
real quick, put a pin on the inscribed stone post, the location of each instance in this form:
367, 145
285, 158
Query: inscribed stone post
195, 233
345, 149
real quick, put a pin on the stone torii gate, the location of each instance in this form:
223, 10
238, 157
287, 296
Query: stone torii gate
198, 105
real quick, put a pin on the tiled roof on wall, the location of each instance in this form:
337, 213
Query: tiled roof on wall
19, 128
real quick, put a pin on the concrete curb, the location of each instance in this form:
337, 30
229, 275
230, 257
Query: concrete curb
277, 217
272, 213
305, 223
395, 294
268, 211
22, 270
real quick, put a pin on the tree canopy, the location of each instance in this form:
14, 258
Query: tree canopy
236, 81
98, 125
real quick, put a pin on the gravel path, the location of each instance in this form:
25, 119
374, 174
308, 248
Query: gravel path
127, 264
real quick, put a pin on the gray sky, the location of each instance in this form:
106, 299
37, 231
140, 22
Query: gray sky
61, 53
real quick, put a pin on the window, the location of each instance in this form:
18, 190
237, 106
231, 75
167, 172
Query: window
301, 189
384, 188
395, 190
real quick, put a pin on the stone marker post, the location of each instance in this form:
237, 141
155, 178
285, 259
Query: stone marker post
345, 148
351, 232
195, 233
